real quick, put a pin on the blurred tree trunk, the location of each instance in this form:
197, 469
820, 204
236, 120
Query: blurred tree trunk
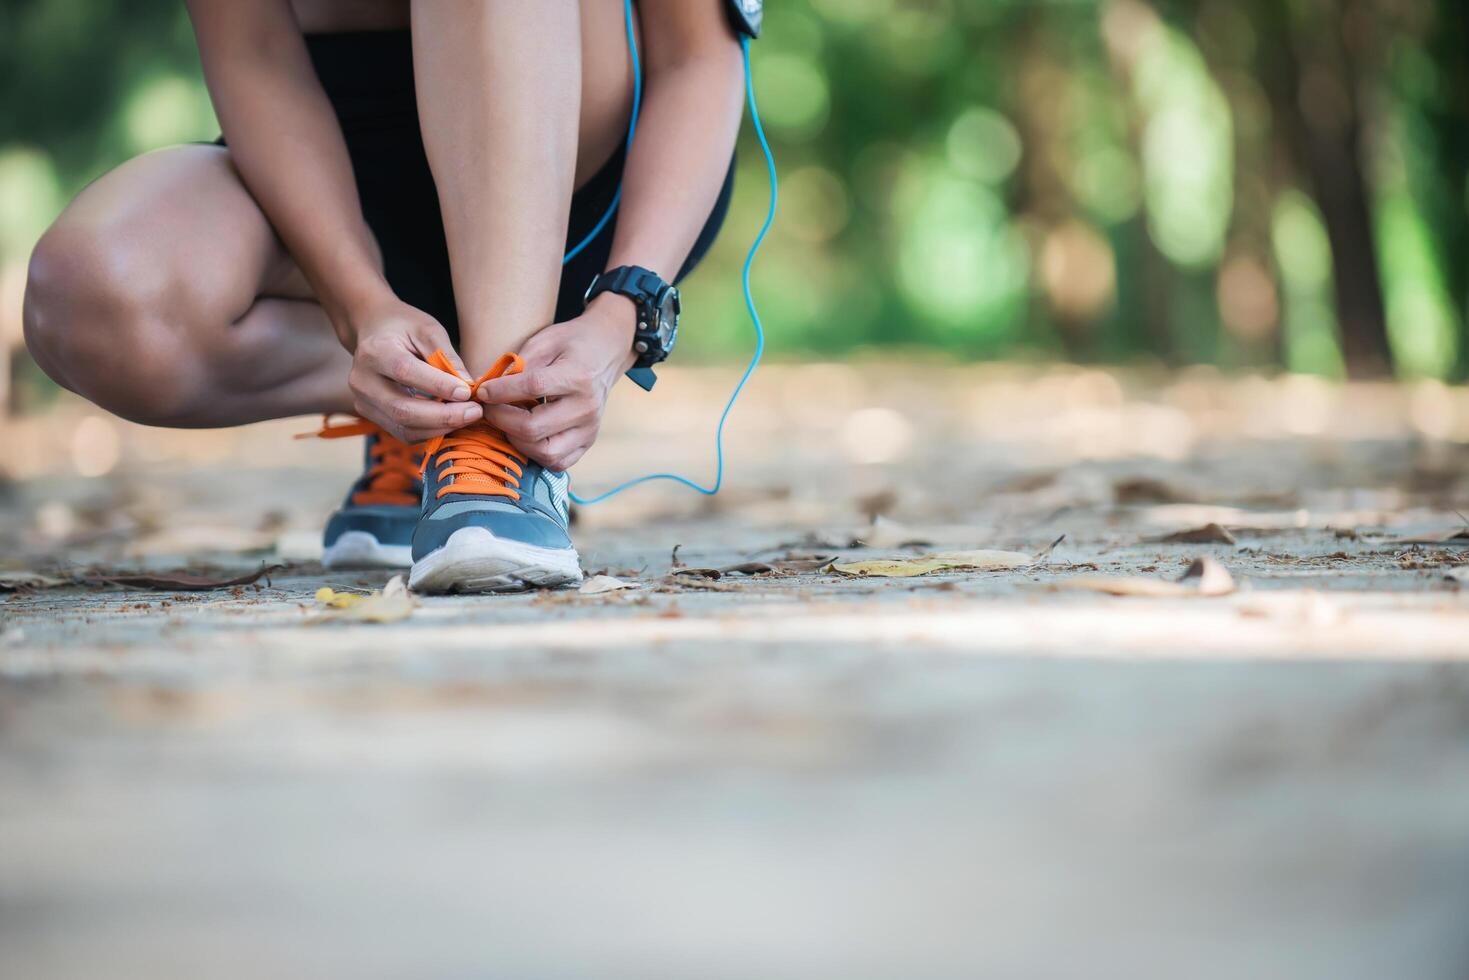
1313, 85
1448, 42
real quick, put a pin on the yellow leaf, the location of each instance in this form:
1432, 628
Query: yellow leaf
888, 567
338, 600
985, 560
377, 608
393, 603
926, 564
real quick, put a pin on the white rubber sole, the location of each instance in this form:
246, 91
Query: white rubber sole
474, 560
358, 549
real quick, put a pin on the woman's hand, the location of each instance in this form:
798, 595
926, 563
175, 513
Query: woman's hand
392, 340
572, 366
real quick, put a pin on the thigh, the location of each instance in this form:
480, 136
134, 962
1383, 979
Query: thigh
179, 224
163, 282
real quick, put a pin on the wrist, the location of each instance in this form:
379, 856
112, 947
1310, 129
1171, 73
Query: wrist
617, 316
354, 307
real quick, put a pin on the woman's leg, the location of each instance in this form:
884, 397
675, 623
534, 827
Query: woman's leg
500, 102
162, 294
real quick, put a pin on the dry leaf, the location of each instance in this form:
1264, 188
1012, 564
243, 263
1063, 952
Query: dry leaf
797, 566
393, 603
675, 582
888, 567
697, 572
1205, 577
328, 596
748, 568
925, 564
181, 581
1459, 536
986, 560
1126, 585
598, 584
1208, 577
11, 581
874, 505
1027, 482
1146, 490
1045, 552
1208, 534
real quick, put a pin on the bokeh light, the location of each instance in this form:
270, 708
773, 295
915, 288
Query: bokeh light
1110, 180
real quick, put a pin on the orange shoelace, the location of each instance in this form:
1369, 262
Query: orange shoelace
478, 456
395, 467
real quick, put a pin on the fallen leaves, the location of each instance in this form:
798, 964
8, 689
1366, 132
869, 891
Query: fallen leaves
17, 580
602, 584
1147, 490
1459, 536
1211, 533
967, 561
181, 581
1205, 577
390, 605
161, 582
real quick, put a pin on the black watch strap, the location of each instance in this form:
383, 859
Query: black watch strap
643, 377
643, 287
631, 281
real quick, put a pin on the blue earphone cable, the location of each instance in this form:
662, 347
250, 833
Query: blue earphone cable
744, 275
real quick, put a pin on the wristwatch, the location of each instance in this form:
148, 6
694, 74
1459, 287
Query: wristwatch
658, 311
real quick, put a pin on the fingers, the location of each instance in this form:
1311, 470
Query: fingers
434, 337
527, 429
555, 435
562, 450
389, 358
409, 418
534, 384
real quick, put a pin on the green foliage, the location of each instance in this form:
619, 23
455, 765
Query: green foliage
1095, 180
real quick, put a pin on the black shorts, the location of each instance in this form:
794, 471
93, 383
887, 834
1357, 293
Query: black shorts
368, 77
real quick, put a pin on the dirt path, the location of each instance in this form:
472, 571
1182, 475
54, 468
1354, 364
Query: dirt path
790, 773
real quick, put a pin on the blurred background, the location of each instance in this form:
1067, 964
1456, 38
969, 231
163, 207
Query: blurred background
1256, 185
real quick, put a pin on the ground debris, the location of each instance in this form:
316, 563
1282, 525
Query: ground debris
1454, 537
16, 580
675, 582
748, 568
1204, 577
1211, 533
180, 581
1147, 490
600, 584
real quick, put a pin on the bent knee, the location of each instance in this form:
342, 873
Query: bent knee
98, 319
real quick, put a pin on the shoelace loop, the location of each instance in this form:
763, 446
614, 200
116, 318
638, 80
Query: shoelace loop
392, 476
479, 457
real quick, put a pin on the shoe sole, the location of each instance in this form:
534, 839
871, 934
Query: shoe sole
474, 560
359, 549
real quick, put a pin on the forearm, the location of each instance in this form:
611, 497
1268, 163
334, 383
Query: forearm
288, 147
685, 137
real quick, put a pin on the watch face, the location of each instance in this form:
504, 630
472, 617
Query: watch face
669, 309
